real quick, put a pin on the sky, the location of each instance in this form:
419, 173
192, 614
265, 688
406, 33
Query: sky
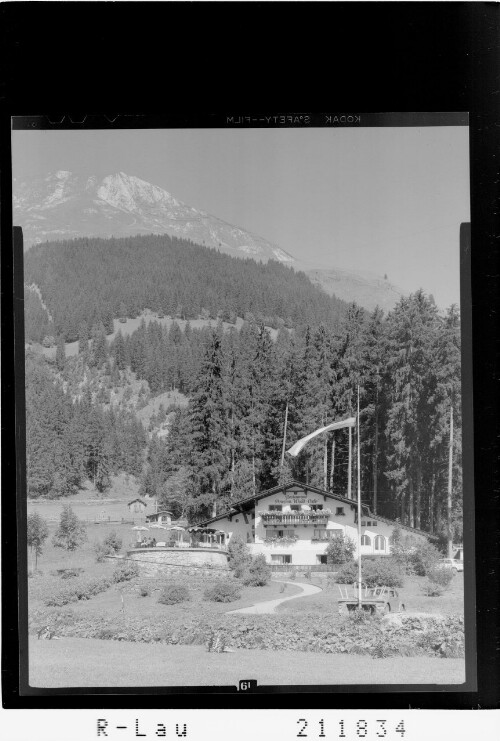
382, 200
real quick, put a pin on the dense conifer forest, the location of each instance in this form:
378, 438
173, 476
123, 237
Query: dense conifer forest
226, 442
69, 440
97, 280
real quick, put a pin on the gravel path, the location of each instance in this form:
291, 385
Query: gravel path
270, 605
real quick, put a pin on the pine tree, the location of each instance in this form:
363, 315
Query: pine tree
411, 327
38, 532
119, 352
60, 353
208, 420
83, 339
374, 408
445, 395
71, 532
99, 345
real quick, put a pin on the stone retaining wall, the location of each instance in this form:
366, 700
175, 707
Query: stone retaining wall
178, 562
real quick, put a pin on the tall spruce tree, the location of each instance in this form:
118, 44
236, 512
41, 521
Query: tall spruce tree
411, 327
60, 353
208, 418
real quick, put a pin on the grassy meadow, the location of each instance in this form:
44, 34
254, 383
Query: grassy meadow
101, 664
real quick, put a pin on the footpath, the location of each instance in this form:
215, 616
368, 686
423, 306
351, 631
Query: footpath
270, 605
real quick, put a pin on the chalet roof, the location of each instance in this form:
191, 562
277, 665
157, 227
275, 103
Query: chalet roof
249, 502
137, 499
160, 512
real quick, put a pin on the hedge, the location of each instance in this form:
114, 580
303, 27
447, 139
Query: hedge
78, 590
412, 636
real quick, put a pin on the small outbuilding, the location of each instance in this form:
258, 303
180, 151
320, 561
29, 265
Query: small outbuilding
162, 517
137, 505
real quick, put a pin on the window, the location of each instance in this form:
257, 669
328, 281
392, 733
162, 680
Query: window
249, 538
320, 535
281, 558
380, 543
366, 540
295, 507
275, 508
339, 511
279, 533
321, 559
335, 532
316, 507
368, 523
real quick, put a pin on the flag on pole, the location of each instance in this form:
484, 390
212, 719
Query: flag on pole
297, 447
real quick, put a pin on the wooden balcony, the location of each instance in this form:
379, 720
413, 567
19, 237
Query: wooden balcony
295, 518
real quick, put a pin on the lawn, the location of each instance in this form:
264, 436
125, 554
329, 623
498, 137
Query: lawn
450, 603
110, 603
81, 662
88, 504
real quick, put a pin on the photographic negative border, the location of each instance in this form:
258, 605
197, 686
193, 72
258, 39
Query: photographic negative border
284, 120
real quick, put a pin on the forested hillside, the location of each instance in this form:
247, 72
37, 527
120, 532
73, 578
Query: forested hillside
227, 443
95, 280
69, 440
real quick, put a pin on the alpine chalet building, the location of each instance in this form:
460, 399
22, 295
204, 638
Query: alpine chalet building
293, 524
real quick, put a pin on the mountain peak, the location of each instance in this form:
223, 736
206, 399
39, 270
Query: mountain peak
66, 205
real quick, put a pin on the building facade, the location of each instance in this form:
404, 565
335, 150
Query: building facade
294, 523
163, 517
137, 505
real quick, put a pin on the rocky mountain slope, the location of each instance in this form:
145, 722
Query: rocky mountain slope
65, 205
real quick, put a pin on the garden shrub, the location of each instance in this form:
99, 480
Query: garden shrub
173, 594
222, 591
431, 589
340, 550
383, 572
125, 571
413, 556
330, 581
422, 559
238, 556
259, 572
69, 573
109, 546
440, 575
144, 590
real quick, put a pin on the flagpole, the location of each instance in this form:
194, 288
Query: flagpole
359, 514
284, 438
349, 467
450, 488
